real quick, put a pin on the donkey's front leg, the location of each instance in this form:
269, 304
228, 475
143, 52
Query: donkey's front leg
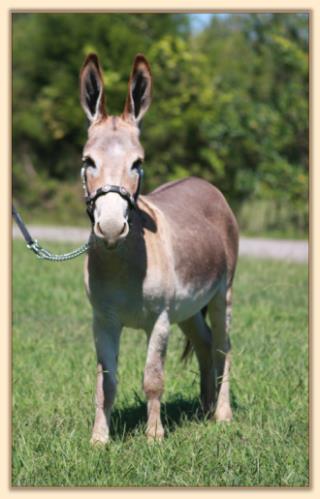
153, 382
106, 330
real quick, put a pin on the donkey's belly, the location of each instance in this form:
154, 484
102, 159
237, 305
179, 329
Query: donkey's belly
188, 301
183, 289
199, 273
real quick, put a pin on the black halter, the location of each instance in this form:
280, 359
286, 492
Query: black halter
90, 199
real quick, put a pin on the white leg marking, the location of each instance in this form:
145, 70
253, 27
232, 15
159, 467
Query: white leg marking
153, 382
220, 316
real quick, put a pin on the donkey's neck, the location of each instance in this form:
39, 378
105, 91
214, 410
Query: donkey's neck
131, 253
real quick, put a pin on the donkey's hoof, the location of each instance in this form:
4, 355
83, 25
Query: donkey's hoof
155, 436
99, 440
223, 414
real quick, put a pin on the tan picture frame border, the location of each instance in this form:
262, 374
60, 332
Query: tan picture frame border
9, 6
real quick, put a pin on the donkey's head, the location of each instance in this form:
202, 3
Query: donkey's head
113, 155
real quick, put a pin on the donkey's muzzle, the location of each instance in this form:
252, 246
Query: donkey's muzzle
111, 234
111, 219
106, 189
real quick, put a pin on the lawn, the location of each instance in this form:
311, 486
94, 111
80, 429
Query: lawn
53, 378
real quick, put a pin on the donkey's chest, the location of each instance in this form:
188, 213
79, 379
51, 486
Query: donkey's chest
134, 307
134, 295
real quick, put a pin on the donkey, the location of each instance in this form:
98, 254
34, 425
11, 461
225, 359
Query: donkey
166, 257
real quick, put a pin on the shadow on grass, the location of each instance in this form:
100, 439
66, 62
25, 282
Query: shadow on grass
126, 421
173, 414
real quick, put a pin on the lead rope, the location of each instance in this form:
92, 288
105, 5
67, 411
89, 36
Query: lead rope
47, 255
43, 253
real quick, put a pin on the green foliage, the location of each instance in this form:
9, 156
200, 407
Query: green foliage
230, 103
53, 382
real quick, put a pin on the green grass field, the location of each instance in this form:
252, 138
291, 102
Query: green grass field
53, 378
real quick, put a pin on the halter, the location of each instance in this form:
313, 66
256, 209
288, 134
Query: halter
91, 199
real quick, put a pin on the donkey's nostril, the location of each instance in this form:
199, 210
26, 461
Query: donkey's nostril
110, 232
99, 228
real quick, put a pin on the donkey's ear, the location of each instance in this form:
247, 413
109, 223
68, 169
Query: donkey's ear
139, 91
91, 88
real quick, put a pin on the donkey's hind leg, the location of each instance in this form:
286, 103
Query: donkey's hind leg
199, 335
220, 309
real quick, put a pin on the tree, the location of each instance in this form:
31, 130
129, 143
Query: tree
230, 104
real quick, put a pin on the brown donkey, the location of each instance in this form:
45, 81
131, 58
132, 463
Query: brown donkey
167, 257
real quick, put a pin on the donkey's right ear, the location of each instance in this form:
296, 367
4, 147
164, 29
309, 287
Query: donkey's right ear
91, 88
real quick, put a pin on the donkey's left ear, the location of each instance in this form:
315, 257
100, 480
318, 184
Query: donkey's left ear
91, 88
139, 91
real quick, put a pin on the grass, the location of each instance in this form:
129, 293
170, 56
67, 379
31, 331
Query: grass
53, 379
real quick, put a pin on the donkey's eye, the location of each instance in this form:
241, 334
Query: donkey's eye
136, 166
88, 162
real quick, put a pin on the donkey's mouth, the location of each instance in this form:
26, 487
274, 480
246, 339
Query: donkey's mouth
111, 241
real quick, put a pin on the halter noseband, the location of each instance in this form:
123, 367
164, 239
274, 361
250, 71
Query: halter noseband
90, 199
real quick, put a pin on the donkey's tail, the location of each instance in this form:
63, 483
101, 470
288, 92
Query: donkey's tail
188, 347
187, 351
